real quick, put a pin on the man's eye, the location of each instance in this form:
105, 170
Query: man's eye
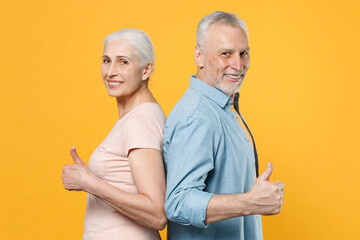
105, 60
123, 62
225, 54
244, 53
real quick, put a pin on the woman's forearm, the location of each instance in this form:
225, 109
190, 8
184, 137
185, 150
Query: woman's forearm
145, 207
137, 206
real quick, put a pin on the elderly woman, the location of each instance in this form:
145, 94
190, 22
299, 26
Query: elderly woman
125, 179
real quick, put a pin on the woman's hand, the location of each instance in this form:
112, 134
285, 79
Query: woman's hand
77, 176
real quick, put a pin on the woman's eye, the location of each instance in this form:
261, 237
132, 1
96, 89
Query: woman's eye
123, 62
105, 60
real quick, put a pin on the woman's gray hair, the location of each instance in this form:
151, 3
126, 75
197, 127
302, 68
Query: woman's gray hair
218, 16
144, 48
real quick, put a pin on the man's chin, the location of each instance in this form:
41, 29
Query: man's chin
229, 90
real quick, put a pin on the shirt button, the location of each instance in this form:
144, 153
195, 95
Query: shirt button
235, 116
253, 166
247, 139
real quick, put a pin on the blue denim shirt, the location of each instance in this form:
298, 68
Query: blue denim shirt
206, 152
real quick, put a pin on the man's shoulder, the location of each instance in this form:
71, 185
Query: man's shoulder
192, 105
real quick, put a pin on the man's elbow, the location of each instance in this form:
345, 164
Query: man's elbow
172, 212
169, 211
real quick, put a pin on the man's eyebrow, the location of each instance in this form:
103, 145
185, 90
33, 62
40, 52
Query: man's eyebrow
225, 50
232, 50
247, 49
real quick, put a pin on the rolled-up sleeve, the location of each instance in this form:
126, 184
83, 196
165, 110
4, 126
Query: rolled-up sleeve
188, 156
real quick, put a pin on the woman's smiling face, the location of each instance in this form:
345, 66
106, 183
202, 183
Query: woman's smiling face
121, 69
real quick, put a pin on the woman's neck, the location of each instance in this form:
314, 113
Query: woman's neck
126, 104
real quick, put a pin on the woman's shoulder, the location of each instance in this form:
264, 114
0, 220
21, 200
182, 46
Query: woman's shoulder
148, 111
147, 118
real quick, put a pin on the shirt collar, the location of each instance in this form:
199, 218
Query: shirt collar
210, 92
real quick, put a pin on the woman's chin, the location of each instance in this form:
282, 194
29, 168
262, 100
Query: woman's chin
113, 93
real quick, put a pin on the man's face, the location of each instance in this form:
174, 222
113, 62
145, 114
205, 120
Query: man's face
225, 59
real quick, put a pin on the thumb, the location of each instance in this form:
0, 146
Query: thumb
267, 173
75, 156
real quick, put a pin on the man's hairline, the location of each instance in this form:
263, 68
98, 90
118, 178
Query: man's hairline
202, 48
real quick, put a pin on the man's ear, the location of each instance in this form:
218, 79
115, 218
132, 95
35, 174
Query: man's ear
199, 57
149, 66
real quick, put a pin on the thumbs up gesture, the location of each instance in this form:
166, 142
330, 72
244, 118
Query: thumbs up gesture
266, 197
76, 176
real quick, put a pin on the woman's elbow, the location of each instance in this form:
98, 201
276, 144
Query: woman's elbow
160, 221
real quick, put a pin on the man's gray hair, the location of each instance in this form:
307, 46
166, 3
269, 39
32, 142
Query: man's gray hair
144, 48
221, 17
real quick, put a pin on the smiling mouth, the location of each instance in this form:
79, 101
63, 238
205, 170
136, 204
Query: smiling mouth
114, 84
234, 76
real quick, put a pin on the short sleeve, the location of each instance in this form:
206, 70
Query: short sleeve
142, 132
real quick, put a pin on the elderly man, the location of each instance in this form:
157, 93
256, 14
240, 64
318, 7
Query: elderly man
209, 152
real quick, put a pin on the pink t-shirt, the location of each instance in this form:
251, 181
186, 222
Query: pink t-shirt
142, 127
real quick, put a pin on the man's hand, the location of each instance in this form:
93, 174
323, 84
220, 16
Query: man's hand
76, 176
266, 197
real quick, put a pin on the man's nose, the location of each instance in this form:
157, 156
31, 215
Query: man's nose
237, 62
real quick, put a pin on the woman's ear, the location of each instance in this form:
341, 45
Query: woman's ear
149, 67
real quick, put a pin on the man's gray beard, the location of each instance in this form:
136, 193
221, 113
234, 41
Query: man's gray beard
220, 87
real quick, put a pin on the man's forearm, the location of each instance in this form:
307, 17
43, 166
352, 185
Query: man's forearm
264, 198
222, 207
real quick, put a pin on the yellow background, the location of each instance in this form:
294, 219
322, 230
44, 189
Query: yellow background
300, 97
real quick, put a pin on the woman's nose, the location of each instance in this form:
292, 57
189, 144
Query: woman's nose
112, 71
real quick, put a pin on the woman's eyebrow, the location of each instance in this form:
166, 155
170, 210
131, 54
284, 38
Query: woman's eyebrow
123, 56
118, 57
